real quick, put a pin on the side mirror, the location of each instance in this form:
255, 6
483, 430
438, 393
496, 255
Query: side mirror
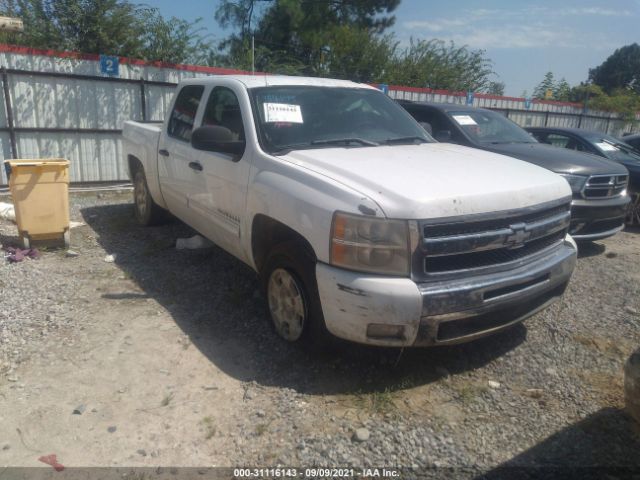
427, 127
443, 135
213, 138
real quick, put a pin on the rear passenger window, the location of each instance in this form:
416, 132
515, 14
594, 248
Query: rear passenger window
558, 140
183, 115
223, 109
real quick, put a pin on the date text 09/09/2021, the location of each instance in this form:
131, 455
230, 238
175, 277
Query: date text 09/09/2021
315, 473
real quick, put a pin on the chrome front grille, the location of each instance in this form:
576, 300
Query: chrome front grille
605, 186
491, 242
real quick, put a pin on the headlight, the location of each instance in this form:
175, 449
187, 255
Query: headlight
576, 182
370, 244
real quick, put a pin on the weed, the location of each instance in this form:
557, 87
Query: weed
468, 392
166, 400
209, 427
261, 429
377, 402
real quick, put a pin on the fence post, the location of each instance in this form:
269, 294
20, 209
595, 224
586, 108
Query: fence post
7, 102
143, 100
546, 118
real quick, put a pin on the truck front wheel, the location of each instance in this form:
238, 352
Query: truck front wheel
288, 281
147, 211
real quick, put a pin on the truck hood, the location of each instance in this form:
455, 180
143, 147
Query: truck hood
559, 160
435, 180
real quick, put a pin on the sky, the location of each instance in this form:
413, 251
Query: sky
523, 39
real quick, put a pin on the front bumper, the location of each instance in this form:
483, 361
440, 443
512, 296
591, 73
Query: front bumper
361, 307
597, 219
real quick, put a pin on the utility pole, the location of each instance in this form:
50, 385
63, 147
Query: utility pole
253, 54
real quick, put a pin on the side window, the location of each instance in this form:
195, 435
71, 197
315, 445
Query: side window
558, 140
223, 109
436, 120
183, 115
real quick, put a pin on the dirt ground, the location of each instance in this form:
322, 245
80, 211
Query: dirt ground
169, 360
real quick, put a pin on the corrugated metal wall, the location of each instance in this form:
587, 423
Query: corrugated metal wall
46, 102
70, 103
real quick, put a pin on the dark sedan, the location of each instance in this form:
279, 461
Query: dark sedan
599, 186
596, 143
633, 140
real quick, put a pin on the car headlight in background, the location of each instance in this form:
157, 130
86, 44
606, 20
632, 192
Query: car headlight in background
576, 182
370, 244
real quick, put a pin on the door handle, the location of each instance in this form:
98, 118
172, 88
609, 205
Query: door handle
163, 152
195, 166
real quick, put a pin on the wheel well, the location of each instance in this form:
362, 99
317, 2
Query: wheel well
134, 165
267, 232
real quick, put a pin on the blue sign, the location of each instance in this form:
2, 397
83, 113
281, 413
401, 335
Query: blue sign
469, 97
527, 103
384, 88
109, 65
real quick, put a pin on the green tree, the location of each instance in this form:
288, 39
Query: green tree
310, 36
496, 88
440, 65
620, 70
116, 27
548, 84
562, 90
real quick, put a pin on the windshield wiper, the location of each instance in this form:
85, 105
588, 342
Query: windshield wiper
345, 141
394, 141
283, 150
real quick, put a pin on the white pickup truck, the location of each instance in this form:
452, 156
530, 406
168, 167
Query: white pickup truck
357, 222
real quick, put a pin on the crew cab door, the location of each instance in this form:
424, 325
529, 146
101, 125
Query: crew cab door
175, 152
219, 185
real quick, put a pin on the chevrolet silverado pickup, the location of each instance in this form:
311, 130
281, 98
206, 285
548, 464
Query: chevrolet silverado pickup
357, 222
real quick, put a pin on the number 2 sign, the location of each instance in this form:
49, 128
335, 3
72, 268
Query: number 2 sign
109, 65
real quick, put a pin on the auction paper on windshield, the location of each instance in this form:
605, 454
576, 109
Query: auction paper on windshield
464, 120
282, 112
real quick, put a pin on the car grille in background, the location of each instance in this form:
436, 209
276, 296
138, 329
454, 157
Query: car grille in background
605, 186
452, 247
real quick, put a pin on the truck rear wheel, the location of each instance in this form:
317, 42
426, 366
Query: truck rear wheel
289, 284
147, 211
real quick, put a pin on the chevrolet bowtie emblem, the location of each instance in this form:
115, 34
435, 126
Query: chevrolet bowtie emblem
518, 237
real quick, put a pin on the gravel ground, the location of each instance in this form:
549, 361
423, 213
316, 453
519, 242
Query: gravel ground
546, 393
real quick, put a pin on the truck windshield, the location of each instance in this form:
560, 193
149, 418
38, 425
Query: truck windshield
305, 117
488, 127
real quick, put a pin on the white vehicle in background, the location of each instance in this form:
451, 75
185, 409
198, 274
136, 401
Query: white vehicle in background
356, 220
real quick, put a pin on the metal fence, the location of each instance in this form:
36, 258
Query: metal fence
58, 104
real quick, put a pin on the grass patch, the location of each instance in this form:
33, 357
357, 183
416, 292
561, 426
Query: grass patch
209, 427
468, 392
261, 429
377, 402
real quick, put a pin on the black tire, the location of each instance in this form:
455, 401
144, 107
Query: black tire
300, 265
147, 211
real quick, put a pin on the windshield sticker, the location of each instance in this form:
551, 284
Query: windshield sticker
282, 112
607, 147
464, 120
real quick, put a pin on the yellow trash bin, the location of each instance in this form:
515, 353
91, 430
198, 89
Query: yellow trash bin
40, 192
